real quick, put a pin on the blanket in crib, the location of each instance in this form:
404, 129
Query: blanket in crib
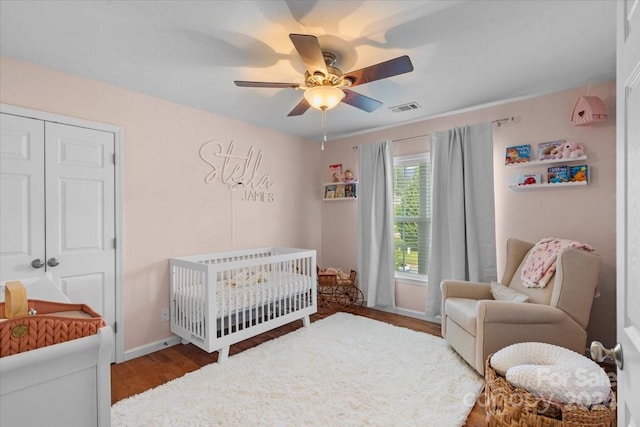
239, 293
540, 264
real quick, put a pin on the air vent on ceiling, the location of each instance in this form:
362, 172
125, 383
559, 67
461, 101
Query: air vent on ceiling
405, 107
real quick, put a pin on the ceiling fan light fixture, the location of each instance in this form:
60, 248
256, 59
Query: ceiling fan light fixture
324, 97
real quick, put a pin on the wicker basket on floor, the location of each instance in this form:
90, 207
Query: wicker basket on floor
508, 406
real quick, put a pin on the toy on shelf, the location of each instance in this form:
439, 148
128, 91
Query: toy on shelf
570, 150
348, 176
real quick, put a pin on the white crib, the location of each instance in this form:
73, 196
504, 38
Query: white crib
223, 298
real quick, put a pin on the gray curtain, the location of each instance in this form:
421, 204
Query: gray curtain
463, 237
375, 224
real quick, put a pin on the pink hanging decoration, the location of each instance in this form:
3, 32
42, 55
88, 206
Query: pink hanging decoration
589, 110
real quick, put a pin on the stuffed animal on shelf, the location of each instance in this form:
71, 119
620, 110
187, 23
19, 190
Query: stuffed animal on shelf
348, 176
570, 150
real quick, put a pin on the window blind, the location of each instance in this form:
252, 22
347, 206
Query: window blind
412, 213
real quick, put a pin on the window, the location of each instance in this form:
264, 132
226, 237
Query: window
412, 215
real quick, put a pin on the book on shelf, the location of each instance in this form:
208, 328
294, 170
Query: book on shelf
340, 192
546, 149
556, 174
330, 191
579, 173
518, 154
527, 179
350, 190
335, 172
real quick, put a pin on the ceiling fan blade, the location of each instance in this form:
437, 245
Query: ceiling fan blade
360, 101
266, 84
309, 50
299, 109
389, 68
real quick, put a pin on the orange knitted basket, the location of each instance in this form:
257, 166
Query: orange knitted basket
54, 323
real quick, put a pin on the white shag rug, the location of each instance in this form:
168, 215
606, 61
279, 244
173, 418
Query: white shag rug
344, 370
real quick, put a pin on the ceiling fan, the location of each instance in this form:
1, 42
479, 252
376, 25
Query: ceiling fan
325, 86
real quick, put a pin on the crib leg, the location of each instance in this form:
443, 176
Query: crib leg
223, 354
306, 322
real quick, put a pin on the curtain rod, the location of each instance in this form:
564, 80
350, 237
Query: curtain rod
497, 122
409, 138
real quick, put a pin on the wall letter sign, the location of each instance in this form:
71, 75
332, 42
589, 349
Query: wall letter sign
237, 170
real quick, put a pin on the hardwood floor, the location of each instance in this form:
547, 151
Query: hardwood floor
152, 370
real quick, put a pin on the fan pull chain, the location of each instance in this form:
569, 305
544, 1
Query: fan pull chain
324, 132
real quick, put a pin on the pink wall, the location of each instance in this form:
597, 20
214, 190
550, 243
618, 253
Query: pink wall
168, 209
586, 214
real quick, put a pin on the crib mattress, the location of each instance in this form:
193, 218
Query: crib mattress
234, 295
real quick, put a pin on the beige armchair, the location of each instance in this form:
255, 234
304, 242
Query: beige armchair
476, 325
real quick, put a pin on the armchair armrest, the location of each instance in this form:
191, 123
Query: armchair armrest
491, 311
465, 289
502, 323
461, 289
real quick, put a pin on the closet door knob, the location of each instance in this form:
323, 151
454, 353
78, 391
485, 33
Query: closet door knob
53, 262
600, 352
37, 263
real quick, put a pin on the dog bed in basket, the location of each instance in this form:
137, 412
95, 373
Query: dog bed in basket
53, 323
510, 405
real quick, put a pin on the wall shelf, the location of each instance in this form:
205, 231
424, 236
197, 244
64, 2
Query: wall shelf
533, 163
334, 191
545, 185
516, 187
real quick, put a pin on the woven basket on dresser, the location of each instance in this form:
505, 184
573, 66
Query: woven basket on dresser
55, 323
508, 406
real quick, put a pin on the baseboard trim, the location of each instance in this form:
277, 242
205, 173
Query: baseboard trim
409, 313
151, 348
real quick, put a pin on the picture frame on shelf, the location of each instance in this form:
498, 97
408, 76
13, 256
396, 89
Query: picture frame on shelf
335, 172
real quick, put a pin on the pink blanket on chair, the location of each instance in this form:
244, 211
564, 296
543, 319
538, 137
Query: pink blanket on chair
540, 265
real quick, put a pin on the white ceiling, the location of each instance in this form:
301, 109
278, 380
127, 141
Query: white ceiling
465, 53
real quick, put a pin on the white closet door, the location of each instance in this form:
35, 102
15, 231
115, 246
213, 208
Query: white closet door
80, 218
21, 197
628, 207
